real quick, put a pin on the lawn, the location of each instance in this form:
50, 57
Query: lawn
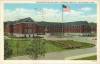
94, 57
19, 45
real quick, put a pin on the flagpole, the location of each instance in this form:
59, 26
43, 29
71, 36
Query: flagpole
62, 20
62, 14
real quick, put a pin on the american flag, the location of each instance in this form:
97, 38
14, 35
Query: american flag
65, 8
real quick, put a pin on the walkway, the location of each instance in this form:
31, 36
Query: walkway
91, 40
60, 55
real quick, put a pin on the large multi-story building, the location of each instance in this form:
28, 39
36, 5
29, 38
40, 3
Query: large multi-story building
29, 28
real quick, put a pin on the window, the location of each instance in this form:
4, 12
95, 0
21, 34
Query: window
25, 30
29, 30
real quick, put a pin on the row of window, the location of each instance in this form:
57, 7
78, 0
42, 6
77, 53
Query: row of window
28, 30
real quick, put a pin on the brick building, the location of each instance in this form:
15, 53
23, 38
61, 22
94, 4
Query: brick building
29, 28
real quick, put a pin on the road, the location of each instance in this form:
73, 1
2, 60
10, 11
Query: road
68, 53
60, 55
76, 38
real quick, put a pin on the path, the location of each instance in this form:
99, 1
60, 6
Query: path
91, 40
60, 55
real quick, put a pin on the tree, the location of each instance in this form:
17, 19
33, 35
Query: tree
7, 50
36, 48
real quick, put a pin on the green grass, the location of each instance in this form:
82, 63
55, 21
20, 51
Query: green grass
88, 58
52, 48
19, 45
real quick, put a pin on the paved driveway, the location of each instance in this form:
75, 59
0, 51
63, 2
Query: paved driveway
91, 40
60, 55
68, 53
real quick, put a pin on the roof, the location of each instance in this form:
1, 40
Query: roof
76, 23
48, 23
44, 23
25, 20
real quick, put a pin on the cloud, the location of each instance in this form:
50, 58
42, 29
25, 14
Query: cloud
50, 12
17, 14
47, 14
89, 18
39, 15
86, 9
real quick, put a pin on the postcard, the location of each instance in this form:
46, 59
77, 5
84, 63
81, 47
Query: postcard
49, 32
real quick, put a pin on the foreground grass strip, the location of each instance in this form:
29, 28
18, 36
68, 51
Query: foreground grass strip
94, 57
90, 56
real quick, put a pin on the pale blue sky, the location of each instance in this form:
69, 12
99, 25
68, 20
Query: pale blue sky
86, 9
58, 6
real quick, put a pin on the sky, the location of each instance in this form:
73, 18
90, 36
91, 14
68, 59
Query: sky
51, 12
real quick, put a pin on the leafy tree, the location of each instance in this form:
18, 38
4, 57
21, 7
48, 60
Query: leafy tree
36, 48
7, 50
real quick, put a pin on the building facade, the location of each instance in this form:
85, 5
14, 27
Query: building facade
30, 28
